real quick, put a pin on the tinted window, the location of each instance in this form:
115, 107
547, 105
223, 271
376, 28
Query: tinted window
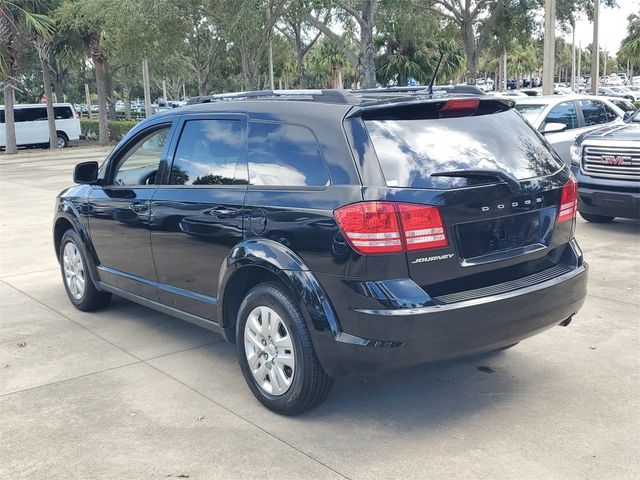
62, 113
593, 112
411, 150
30, 114
611, 113
208, 153
287, 155
140, 164
564, 113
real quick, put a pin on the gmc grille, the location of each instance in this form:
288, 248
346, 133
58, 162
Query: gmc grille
622, 163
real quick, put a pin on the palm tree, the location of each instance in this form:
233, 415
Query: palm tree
16, 16
630, 47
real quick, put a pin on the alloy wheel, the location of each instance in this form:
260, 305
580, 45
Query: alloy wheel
74, 273
269, 349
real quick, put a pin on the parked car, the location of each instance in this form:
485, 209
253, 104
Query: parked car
562, 118
606, 163
626, 93
330, 233
532, 92
32, 128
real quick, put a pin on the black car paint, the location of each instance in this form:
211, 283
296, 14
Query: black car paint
365, 313
608, 196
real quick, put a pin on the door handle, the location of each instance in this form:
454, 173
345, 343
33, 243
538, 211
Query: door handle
222, 212
139, 207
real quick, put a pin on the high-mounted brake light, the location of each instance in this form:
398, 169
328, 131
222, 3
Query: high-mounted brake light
568, 201
459, 107
389, 227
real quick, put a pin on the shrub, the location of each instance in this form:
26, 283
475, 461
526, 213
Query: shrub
117, 129
636, 104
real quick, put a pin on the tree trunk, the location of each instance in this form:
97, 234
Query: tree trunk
469, 41
366, 43
101, 86
302, 74
126, 93
48, 93
9, 119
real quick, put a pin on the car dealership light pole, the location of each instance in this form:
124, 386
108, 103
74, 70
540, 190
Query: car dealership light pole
549, 46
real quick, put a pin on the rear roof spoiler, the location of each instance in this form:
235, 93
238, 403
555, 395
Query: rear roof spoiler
403, 108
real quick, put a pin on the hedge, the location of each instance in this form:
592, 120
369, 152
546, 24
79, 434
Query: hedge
117, 129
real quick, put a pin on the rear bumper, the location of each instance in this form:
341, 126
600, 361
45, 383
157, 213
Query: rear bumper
413, 336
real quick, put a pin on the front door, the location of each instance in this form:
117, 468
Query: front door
196, 215
119, 213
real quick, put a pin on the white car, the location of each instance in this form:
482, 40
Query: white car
626, 93
32, 127
562, 118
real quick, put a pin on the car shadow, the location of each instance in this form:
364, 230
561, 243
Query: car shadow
619, 225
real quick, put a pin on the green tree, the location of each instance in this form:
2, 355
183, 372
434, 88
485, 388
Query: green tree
16, 15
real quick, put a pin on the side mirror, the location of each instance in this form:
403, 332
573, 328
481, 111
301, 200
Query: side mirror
627, 115
553, 127
86, 173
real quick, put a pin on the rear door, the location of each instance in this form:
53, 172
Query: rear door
196, 214
489, 225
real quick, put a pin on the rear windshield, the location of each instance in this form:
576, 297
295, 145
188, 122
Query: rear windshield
411, 150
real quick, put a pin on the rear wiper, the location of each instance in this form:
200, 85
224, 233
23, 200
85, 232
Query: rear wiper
510, 180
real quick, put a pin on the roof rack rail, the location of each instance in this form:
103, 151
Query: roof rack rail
323, 96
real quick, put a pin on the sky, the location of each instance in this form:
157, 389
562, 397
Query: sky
613, 26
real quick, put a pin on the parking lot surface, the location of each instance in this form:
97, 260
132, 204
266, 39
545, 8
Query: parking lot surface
130, 393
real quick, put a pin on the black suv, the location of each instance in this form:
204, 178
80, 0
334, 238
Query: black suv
330, 233
606, 162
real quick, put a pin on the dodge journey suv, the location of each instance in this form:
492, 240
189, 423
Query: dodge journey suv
328, 233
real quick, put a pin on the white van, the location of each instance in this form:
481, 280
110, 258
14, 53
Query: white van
32, 128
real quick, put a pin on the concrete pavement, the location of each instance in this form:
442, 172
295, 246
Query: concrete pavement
130, 393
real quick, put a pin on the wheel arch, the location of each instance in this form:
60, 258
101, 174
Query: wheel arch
259, 260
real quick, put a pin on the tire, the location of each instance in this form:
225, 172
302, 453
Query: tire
292, 391
63, 141
593, 218
77, 281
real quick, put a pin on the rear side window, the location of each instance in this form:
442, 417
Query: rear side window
62, 113
564, 113
30, 114
285, 155
208, 153
593, 112
411, 150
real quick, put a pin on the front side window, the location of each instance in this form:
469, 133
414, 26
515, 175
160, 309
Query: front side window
564, 113
208, 153
140, 164
593, 112
285, 155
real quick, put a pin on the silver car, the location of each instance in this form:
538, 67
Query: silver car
562, 118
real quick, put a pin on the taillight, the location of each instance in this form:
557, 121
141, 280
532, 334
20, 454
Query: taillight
422, 226
568, 201
388, 227
370, 227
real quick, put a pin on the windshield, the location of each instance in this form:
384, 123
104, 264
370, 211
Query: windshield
411, 150
530, 111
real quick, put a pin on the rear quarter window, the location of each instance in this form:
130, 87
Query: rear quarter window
285, 155
410, 151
